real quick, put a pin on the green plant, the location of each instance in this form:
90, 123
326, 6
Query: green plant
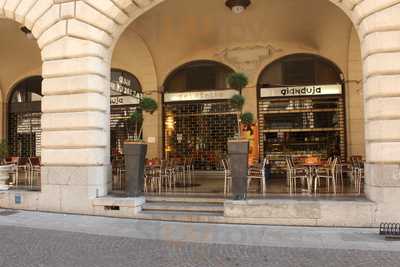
237, 80
247, 118
237, 102
147, 105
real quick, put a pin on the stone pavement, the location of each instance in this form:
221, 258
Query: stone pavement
46, 239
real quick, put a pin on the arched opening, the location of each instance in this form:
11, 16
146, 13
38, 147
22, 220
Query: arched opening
248, 42
301, 111
197, 116
125, 92
24, 114
21, 87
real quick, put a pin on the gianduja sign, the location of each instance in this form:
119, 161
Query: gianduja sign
313, 90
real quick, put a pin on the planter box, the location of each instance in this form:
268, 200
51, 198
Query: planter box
135, 155
238, 151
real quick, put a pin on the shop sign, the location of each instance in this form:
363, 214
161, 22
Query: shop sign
124, 86
123, 100
200, 95
313, 90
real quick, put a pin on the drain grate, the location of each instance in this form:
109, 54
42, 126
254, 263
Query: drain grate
390, 230
7, 212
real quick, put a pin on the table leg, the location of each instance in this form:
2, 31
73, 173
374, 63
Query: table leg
310, 179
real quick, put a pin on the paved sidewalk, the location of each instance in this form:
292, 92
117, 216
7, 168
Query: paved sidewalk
46, 239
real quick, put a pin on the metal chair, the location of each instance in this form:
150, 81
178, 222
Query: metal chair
14, 170
227, 175
258, 172
328, 173
23, 166
118, 170
294, 173
34, 170
152, 177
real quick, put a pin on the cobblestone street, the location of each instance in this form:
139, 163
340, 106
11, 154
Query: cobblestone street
41, 239
33, 247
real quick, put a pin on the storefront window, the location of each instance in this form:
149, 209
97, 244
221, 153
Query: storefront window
24, 115
125, 91
301, 110
198, 118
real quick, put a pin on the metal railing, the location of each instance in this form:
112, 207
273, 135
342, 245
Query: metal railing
390, 230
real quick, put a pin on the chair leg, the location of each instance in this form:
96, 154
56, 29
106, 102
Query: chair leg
316, 180
264, 189
334, 183
225, 186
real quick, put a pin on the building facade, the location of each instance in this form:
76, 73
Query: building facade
158, 45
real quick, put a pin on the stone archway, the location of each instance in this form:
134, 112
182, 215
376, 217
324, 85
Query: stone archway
72, 107
378, 27
76, 38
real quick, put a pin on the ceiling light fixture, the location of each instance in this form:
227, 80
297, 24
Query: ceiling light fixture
237, 6
27, 32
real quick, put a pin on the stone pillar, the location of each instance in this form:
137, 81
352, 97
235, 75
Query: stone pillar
380, 32
250, 93
75, 125
152, 128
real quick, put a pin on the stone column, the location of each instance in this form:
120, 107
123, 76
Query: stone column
152, 128
75, 120
380, 34
250, 93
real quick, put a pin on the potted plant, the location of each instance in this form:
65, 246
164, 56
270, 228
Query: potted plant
135, 149
238, 148
4, 169
238, 81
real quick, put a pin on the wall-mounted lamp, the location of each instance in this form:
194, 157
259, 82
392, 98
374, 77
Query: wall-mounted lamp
237, 6
27, 32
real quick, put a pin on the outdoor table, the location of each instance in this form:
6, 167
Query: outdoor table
312, 167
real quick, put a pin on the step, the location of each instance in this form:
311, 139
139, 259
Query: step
183, 206
186, 199
181, 216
